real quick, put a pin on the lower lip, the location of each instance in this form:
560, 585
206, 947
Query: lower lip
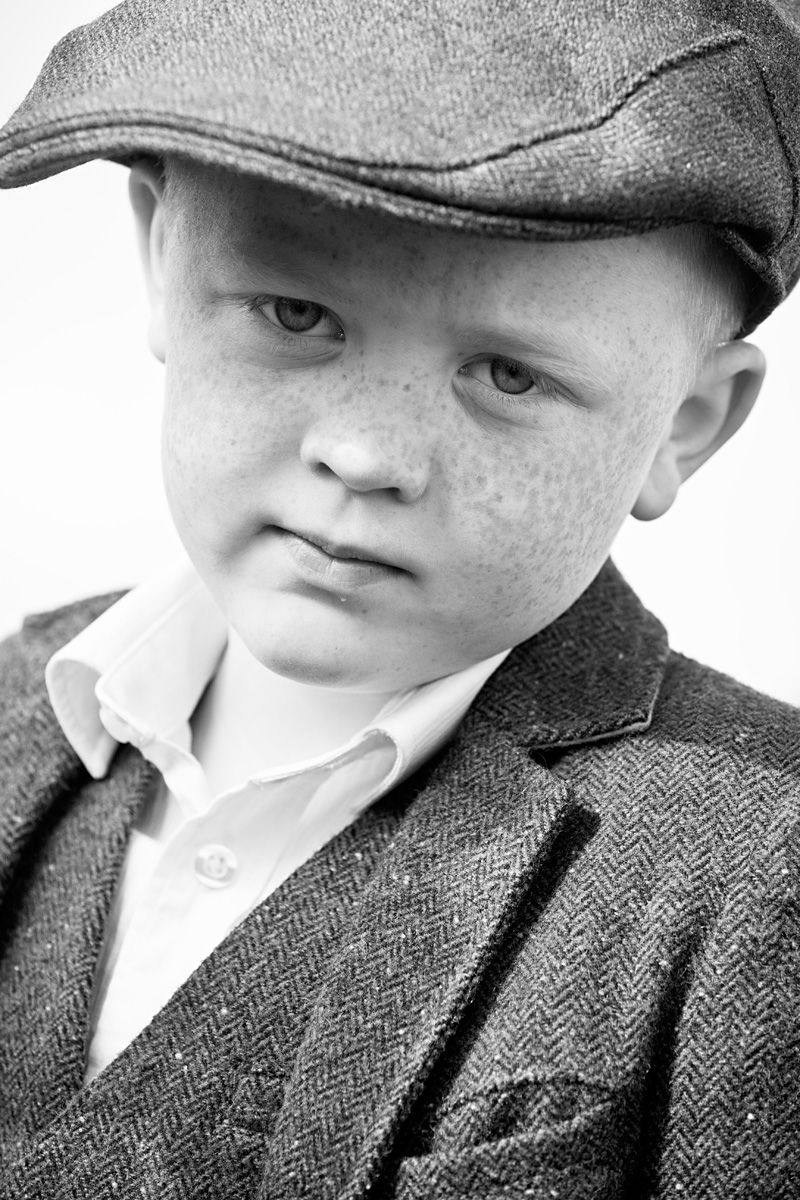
337, 574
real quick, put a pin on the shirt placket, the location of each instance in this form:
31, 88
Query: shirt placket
214, 868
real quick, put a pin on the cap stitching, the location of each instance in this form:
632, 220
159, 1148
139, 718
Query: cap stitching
300, 152
792, 223
350, 190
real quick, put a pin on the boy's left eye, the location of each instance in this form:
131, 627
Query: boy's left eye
302, 317
503, 375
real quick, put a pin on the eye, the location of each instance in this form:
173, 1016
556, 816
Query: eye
302, 317
506, 375
510, 376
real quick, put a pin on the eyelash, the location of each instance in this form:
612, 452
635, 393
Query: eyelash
541, 389
256, 304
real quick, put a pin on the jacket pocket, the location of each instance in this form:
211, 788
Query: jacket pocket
558, 1139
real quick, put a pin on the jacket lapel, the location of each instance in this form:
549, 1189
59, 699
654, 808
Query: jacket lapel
62, 838
37, 767
447, 888
425, 930
37, 764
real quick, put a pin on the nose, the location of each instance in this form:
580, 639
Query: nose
368, 456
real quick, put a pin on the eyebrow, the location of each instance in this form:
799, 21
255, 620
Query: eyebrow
272, 258
311, 284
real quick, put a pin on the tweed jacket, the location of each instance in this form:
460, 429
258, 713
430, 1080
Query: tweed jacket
560, 961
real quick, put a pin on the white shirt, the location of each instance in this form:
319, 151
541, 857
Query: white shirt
258, 772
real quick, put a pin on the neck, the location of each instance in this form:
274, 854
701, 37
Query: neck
251, 720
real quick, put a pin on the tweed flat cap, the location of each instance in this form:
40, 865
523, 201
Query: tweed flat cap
555, 119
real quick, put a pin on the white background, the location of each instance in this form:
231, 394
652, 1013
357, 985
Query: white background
80, 493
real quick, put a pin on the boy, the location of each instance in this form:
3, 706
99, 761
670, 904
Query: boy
386, 850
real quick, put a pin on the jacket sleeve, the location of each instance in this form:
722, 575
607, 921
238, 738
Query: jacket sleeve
732, 1125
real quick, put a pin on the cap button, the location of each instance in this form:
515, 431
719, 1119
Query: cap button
215, 865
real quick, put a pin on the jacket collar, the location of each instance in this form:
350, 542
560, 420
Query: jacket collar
593, 674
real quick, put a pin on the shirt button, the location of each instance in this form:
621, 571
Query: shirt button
215, 866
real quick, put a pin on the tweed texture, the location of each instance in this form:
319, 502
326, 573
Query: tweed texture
561, 961
546, 120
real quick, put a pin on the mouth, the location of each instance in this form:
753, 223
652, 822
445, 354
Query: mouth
341, 551
339, 566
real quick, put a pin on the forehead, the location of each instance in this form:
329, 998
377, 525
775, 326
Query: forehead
608, 292
245, 211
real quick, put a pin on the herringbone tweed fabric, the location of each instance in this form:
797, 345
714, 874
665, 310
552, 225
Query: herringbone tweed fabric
561, 961
556, 119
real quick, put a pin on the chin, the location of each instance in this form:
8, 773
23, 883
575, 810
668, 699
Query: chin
314, 671
313, 665
314, 645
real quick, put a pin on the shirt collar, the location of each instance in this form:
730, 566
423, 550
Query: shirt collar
147, 660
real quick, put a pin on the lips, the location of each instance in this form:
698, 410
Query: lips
333, 565
342, 551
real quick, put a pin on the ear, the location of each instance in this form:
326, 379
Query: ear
715, 407
146, 189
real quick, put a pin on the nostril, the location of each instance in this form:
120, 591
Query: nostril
320, 468
366, 460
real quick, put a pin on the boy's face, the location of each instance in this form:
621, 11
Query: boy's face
392, 452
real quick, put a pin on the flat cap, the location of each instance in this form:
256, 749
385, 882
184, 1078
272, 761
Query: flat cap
536, 119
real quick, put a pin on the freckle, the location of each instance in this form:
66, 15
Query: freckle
406, 387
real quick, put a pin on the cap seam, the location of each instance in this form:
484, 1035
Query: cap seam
791, 226
302, 154
352, 189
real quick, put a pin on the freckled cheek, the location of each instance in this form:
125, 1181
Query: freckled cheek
203, 475
597, 489
537, 515
532, 490
224, 421
220, 379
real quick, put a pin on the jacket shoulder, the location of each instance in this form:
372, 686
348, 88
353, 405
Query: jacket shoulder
721, 763
714, 779
69, 619
718, 716
24, 654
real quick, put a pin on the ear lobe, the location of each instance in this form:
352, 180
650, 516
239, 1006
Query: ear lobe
717, 405
146, 191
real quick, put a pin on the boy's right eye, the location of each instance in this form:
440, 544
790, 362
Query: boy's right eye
302, 317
